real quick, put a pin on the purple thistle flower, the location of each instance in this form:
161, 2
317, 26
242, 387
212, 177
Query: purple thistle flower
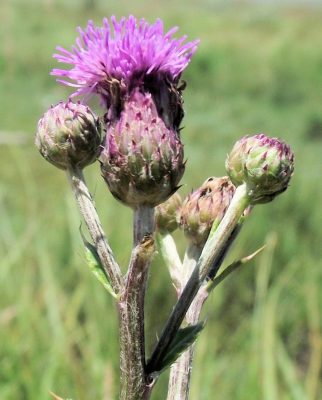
127, 51
135, 68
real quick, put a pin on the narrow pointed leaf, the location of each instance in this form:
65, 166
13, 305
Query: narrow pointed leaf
94, 264
184, 338
231, 268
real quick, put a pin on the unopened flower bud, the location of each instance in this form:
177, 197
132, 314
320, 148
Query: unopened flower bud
265, 164
166, 214
69, 134
205, 206
142, 159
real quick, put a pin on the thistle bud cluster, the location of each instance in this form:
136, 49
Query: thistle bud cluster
204, 207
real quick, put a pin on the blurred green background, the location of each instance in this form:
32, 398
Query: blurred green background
258, 69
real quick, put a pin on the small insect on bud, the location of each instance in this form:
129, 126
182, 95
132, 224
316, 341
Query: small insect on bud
142, 159
166, 214
265, 164
69, 134
205, 206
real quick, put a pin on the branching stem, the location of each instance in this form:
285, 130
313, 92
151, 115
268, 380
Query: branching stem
211, 252
180, 373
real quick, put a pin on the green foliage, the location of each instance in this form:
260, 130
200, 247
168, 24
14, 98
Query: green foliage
257, 69
95, 265
184, 338
212, 284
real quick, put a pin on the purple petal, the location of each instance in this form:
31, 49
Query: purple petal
122, 50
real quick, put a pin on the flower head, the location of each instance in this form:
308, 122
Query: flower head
69, 134
135, 68
142, 159
204, 207
121, 55
264, 163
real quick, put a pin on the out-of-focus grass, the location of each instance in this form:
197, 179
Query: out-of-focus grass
257, 69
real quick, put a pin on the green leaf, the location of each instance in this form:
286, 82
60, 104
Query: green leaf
184, 338
94, 264
231, 268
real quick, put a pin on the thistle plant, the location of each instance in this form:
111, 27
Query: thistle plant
135, 69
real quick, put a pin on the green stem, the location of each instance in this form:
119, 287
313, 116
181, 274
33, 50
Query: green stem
143, 223
134, 381
87, 209
216, 242
171, 258
180, 373
190, 261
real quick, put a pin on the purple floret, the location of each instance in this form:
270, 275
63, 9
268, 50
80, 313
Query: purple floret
124, 50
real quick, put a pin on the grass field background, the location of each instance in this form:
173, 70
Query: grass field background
258, 69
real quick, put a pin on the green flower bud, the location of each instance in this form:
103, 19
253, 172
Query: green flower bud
166, 214
265, 164
205, 206
68, 135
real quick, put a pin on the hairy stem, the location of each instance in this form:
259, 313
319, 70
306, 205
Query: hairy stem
180, 373
87, 209
211, 253
190, 261
134, 381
